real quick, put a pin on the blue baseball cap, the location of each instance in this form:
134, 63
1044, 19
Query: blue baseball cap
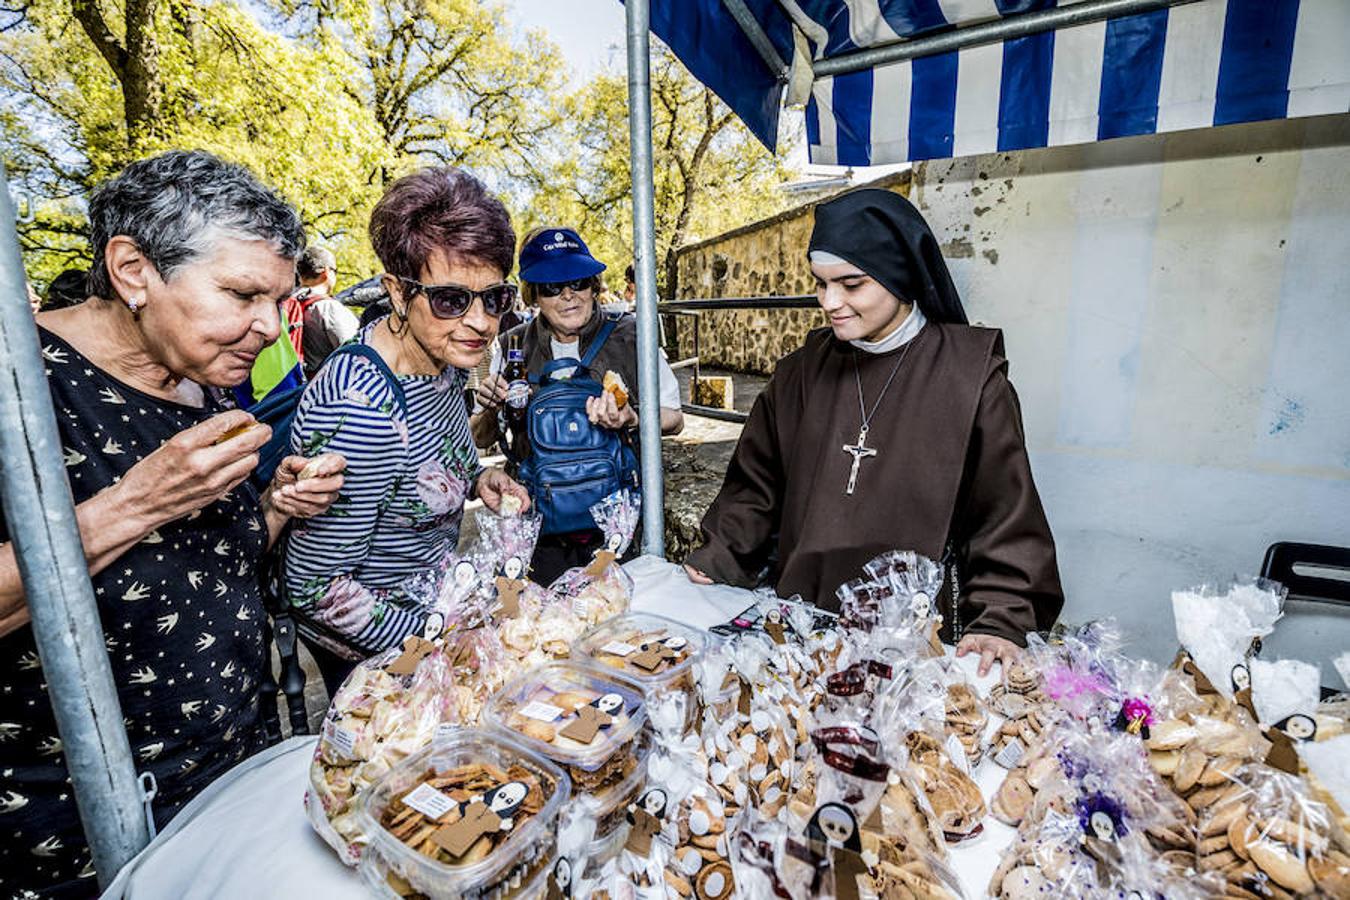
558, 254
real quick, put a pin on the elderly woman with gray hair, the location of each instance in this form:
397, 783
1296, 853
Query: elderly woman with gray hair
190, 258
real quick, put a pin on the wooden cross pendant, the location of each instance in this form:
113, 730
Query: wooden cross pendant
859, 452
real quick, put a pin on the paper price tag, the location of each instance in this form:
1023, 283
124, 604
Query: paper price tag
341, 740
544, 712
1011, 754
581, 608
428, 801
618, 648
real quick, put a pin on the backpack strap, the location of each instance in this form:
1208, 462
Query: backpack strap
600, 337
370, 354
568, 362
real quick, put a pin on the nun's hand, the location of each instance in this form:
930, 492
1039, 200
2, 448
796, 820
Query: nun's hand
697, 576
990, 648
494, 485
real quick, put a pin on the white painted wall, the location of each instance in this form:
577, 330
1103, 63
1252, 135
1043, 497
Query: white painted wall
1177, 316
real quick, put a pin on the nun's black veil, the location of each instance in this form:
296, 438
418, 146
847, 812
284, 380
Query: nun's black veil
883, 234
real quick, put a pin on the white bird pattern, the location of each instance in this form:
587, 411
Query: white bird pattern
243, 615
206, 640
54, 354
108, 395
195, 579
222, 548
164, 624
151, 751
136, 592
30, 660
73, 458
221, 588
153, 537
219, 713
11, 801
112, 448
191, 708
50, 747
48, 847
9, 730
143, 675
188, 765
228, 670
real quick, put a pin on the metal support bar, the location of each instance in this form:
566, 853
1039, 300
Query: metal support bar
754, 33
801, 301
994, 32
45, 535
637, 14
712, 412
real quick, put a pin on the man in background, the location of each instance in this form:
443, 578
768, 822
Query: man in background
324, 322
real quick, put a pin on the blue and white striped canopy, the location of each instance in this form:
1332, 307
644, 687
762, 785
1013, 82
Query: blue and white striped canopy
1211, 62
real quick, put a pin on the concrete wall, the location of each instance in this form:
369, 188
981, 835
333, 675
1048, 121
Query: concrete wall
1177, 315
765, 258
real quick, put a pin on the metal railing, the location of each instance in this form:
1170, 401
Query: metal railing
694, 309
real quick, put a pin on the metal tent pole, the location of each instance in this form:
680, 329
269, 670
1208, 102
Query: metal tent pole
638, 16
1015, 26
41, 515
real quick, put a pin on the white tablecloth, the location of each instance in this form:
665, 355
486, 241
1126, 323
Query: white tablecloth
247, 836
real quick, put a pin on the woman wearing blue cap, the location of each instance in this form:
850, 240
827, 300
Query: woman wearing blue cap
561, 278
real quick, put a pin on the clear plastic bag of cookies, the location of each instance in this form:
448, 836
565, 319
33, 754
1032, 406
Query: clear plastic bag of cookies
1277, 838
389, 707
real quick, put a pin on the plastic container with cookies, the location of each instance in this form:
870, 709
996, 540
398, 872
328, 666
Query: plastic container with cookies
656, 652
586, 721
473, 816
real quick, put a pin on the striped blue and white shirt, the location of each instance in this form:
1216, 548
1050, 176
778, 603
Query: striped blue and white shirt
367, 570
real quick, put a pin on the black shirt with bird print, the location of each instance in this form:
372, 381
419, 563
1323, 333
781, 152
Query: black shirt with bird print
182, 617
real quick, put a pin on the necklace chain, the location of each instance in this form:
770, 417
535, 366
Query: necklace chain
857, 375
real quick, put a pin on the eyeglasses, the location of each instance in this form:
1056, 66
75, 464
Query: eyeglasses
554, 288
452, 301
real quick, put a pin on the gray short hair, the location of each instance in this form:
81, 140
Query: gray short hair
169, 204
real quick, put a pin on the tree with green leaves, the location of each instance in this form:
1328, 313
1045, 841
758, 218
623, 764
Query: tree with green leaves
710, 174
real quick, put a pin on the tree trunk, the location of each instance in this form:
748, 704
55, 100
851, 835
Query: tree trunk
136, 64
140, 86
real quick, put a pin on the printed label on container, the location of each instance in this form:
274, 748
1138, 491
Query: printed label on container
444, 730
618, 648
581, 608
341, 740
544, 712
1010, 755
428, 801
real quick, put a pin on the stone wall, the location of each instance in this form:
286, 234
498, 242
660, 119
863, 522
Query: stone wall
766, 258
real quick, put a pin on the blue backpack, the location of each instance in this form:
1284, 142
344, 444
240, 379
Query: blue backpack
572, 464
278, 409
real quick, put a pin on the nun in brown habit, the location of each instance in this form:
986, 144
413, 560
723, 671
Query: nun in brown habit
894, 428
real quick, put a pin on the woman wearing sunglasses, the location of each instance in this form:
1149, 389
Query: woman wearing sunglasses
361, 577
561, 278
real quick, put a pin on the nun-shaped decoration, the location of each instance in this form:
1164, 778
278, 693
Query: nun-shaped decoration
646, 817
415, 649
1241, 681
597, 714
560, 880
655, 654
774, 626
833, 836
1103, 822
480, 816
606, 557
510, 584
1285, 694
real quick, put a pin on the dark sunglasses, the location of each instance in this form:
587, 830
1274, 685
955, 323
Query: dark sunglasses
451, 301
554, 288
